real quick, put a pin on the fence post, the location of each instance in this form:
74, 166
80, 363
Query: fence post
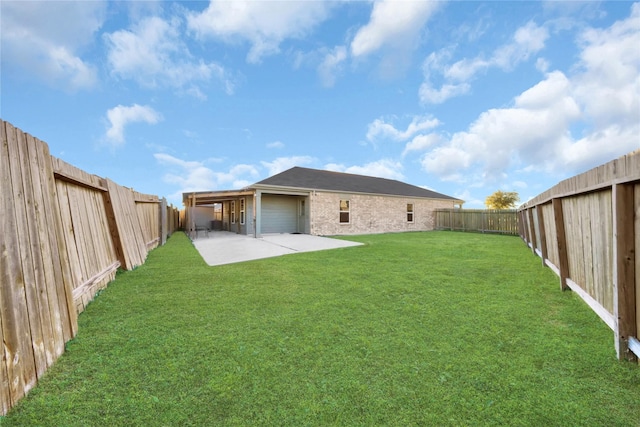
561, 242
624, 274
532, 231
543, 236
483, 219
525, 226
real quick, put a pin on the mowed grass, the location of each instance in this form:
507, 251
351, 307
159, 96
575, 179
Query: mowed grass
435, 328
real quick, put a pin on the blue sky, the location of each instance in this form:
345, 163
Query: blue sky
464, 98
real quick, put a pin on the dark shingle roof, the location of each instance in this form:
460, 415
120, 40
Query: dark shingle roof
316, 179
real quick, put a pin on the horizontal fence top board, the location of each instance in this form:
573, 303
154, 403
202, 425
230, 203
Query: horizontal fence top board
67, 172
145, 198
478, 210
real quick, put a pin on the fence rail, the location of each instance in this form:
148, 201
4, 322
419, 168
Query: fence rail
502, 221
587, 230
63, 235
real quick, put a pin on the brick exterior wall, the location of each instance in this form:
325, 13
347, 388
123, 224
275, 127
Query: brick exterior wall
371, 214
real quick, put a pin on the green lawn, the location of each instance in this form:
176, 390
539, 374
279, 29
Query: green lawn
434, 328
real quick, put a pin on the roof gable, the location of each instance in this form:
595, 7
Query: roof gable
298, 177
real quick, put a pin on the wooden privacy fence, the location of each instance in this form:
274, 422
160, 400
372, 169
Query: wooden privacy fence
502, 221
587, 230
63, 235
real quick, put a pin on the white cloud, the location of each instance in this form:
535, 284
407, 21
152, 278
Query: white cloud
186, 175
283, 163
422, 142
331, 65
542, 65
264, 24
47, 39
394, 24
527, 41
436, 61
196, 176
430, 95
121, 116
465, 69
152, 54
448, 162
275, 144
384, 168
233, 176
380, 129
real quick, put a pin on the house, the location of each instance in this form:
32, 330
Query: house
317, 202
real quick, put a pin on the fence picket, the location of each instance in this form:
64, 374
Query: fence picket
14, 321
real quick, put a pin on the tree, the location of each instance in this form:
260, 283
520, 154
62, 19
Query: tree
502, 200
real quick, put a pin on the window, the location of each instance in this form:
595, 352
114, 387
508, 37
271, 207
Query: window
409, 212
344, 211
233, 212
242, 211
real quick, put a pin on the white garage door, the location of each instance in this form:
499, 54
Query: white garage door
279, 214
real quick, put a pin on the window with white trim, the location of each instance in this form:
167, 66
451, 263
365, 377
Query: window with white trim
233, 211
242, 210
409, 212
344, 211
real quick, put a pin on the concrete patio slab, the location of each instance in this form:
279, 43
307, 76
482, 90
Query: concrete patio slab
222, 247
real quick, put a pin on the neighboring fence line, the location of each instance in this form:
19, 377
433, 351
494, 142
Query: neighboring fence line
63, 235
502, 221
587, 230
